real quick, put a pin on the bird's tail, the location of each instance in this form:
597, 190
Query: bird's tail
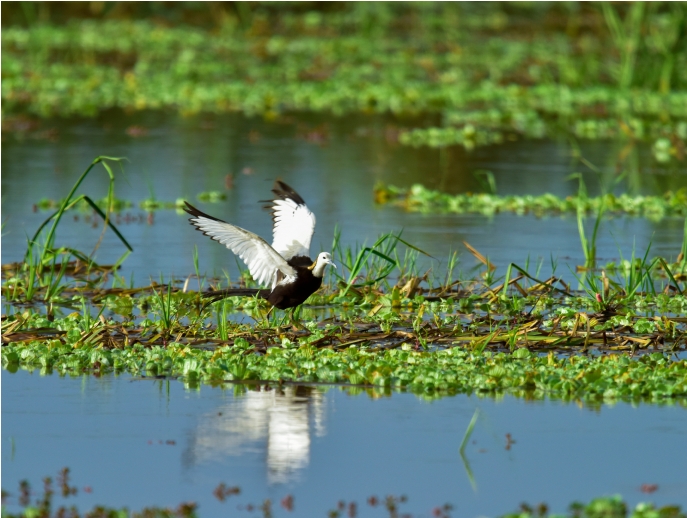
213, 296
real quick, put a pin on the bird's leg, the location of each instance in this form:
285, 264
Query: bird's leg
267, 316
283, 319
295, 322
263, 319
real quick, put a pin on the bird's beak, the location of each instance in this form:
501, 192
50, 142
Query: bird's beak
333, 264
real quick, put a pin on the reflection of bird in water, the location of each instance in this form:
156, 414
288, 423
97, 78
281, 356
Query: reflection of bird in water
286, 265
277, 421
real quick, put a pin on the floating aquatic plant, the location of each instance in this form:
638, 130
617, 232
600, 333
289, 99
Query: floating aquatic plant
418, 198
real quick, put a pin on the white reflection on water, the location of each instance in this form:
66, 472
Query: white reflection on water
276, 421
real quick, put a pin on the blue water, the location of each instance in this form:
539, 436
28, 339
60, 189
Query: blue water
322, 445
335, 173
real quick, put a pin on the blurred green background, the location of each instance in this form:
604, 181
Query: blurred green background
481, 70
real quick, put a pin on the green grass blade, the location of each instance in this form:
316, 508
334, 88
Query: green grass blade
468, 431
95, 207
670, 275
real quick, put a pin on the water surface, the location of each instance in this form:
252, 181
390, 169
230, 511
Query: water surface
333, 163
149, 442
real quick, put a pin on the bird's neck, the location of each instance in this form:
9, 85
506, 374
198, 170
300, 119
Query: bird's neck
318, 270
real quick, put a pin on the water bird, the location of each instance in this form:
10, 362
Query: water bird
285, 266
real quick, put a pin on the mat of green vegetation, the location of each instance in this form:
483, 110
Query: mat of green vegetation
489, 71
653, 377
392, 327
555, 349
418, 198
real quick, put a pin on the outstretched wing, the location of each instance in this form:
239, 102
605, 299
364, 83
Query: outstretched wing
265, 264
294, 224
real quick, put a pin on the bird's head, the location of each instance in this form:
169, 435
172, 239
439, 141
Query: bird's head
322, 260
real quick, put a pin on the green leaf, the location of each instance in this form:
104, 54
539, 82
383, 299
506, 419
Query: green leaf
522, 353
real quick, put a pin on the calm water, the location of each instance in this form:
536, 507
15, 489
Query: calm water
334, 164
322, 446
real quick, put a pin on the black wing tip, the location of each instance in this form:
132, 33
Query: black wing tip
284, 192
193, 211
190, 209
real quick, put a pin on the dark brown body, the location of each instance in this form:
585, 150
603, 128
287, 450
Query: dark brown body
294, 294
283, 296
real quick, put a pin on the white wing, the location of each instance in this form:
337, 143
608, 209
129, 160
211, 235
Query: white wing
264, 263
294, 224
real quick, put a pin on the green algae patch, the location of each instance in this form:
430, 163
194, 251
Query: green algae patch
610, 507
418, 198
653, 377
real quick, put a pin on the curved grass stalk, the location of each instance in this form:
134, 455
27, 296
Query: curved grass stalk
68, 203
669, 274
95, 207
